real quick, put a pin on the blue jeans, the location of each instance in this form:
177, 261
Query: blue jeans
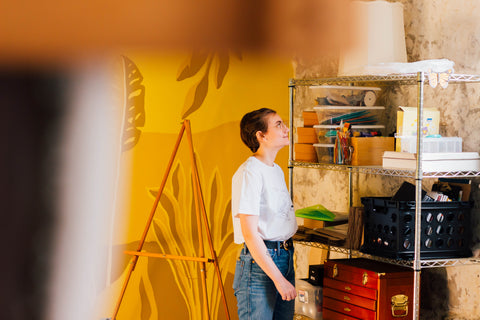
257, 297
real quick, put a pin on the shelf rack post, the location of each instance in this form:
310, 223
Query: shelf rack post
350, 188
290, 153
418, 199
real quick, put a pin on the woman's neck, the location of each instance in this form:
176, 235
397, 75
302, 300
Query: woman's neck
267, 157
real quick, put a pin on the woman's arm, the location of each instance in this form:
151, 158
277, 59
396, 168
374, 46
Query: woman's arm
259, 252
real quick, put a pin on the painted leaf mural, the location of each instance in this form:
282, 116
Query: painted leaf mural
146, 307
130, 93
192, 65
199, 65
133, 104
221, 69
175, 229
195, 96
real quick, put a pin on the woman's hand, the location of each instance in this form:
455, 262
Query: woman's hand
259, 252
286, 289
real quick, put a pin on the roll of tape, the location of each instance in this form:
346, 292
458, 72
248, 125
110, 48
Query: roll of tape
370, 98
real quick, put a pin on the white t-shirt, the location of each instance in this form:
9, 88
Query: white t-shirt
258, 189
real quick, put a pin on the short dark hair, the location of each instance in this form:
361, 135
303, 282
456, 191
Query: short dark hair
253, 122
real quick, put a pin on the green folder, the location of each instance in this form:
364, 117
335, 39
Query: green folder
316, 212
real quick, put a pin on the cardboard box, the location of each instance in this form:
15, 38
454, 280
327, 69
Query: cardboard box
368, 151
307, 135
407, 121
305, 152
309, 118
313, 224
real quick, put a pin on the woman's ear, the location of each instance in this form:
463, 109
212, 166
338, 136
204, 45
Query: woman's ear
260, 136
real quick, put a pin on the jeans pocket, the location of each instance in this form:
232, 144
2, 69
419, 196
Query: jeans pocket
237, 279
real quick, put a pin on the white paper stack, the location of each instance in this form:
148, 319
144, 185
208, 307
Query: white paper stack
433, 162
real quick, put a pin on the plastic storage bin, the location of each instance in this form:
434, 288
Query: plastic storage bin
350, 114
389, 229
443, 144
309, 299
324, 152
328, 133
346, 95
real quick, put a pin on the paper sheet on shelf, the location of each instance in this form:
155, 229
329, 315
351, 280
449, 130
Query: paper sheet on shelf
433, 65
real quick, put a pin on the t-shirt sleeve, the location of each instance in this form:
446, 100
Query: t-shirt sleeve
248, 186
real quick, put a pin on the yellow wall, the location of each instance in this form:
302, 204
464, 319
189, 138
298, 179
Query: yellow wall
214, 91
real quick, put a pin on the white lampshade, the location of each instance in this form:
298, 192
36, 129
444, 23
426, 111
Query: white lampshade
378, 34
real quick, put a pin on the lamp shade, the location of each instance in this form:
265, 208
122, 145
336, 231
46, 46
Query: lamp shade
378, 36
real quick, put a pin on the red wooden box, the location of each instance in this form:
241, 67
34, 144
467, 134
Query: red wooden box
366, 289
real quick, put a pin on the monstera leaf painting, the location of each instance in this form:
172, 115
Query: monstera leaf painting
133, 104
203, 66
131, 94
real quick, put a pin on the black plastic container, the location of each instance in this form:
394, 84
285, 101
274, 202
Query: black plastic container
315, 274
389, 229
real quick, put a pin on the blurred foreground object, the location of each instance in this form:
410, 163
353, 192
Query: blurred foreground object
379, 33
32, 108
52, 31
86, 183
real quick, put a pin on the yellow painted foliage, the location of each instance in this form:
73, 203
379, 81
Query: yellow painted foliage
213, 90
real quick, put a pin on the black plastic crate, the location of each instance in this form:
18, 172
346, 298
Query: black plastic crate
389, 229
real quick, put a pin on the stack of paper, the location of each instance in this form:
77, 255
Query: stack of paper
433, 162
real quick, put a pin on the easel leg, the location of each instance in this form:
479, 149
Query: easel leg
200, 214
204, 216
134, 260
203, 270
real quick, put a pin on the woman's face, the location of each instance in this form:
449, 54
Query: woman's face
277, 132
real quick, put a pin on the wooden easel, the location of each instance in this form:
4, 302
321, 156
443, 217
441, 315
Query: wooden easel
201, 217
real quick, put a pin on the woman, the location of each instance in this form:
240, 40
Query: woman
264, 220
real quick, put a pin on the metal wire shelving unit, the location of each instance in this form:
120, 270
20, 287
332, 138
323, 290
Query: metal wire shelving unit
419, 79
384, 171
430, 263
387, 80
